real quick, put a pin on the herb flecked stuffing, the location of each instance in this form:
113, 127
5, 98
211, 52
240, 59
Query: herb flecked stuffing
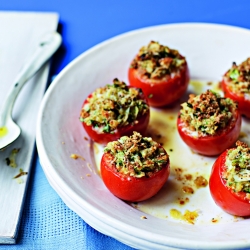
113, 106
238, 77
156, 61
237, 173
207, 113
137, 156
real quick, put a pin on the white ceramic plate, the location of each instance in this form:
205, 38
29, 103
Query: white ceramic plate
210, 50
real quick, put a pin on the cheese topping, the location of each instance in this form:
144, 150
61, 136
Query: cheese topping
113, 106
137, 156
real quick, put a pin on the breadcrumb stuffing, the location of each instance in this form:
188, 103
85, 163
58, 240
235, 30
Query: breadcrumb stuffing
113, 106
156, 61
136, 155
237, 172
238, 77
207, 113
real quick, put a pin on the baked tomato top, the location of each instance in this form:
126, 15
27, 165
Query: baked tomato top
230, 180
209, 123
113, 111
236, 85
161, 72
134, 168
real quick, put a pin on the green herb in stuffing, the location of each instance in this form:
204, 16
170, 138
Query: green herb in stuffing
156, 61
237, 173
207, 113
238, 77
113, 106
137, 156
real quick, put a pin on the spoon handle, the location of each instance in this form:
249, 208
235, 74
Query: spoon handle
47, 47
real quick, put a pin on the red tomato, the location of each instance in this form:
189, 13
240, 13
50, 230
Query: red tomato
103, 137
131, 188
244, 104
212, 144
164, 91
231, 202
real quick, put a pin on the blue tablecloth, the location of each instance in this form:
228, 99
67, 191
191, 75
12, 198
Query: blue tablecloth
47, 223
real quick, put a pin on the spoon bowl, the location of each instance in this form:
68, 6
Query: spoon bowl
9, 133
9, 130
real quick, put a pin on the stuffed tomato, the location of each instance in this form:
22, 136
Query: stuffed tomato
208, 123
162, 73
134, 168
230, 180
113, 111
236, 85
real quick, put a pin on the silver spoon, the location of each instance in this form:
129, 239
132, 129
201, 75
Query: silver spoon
9, 130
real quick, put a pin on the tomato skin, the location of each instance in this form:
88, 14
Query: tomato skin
231, 202
211, 145
132, 189
164, 92
104, 138
243, 103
